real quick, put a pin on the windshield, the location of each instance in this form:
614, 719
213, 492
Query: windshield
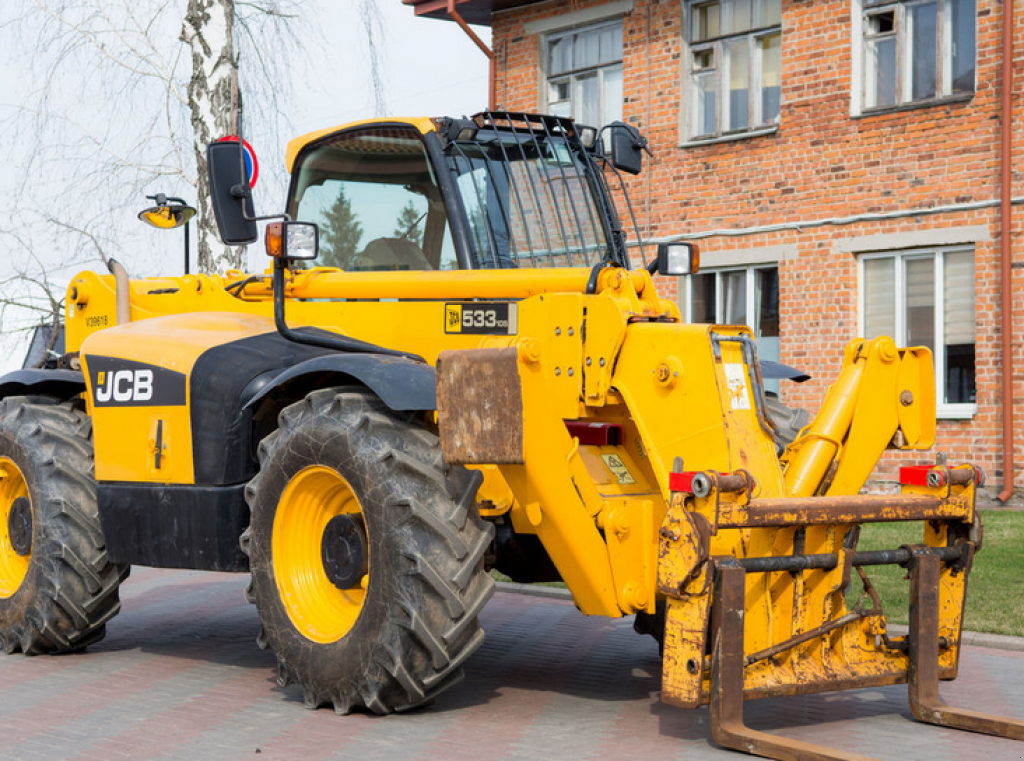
374, 196
528, 199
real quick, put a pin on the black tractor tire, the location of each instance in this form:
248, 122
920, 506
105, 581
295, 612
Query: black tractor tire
70, 588
426, 583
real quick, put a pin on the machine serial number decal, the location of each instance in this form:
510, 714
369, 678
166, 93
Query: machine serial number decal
126, 383
498, 318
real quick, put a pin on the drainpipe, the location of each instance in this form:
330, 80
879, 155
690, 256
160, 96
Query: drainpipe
1005, 280
457, 18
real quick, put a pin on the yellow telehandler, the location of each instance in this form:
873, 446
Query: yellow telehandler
477, 380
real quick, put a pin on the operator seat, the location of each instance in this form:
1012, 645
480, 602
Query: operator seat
392, 254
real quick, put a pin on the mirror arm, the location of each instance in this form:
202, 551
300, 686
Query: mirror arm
337, 343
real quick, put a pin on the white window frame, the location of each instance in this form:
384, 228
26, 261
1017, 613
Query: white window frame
862, 73
755, 124
574, 75
959, 411
750, 299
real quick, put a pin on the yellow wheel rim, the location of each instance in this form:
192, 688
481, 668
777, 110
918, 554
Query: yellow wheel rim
13, 566
317, 608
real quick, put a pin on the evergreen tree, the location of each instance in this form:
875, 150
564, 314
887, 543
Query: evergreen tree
340, 233
408, 226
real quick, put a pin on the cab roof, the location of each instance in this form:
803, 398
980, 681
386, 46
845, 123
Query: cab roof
295, 146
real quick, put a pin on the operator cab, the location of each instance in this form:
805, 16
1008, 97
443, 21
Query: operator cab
373, 195
498, 191
519, 191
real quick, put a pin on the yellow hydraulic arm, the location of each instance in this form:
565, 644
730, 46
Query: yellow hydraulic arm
883, 396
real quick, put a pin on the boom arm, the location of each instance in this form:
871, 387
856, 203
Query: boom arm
883, 396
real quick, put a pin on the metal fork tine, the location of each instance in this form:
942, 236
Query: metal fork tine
727, 664
923, 670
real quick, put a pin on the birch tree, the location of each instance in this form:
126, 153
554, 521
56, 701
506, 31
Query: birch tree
125, 97
213, 101
130, 94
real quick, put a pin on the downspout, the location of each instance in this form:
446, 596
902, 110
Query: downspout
457, 18
1006, 275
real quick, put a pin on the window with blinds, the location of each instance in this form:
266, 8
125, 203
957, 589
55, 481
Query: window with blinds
584, 69
926, 298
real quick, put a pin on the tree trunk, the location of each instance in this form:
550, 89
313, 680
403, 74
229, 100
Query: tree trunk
214, 101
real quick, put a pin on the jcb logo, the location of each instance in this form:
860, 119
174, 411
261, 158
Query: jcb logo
125, 386
126, 383
453, 318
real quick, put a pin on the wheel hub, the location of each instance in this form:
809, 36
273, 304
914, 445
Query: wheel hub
19, 526
343, 551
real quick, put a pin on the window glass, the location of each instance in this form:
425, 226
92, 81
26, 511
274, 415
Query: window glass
748, 296
902, 298
585, 74
923, 50
771, 12
705, 22
705, 104
741, 14
963, 54
735, 77
611, 103
373, 195
560, 59
959, 331
882, 63
586, 52
766, 302
739, 84
734, 298
588, 105
702, 297
771, 77
529, 202
879, 297
916, 51
610, 46
919, 296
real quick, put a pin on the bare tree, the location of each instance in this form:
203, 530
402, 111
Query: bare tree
32, 291
125, 97
213, 100
132, 94
374, 31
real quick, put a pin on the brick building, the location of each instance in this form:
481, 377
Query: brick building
839, 163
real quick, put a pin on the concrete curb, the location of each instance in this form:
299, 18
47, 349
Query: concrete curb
975, 639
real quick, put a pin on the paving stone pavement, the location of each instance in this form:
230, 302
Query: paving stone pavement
179, 676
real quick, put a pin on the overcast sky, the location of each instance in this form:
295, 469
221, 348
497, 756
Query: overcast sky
431, 68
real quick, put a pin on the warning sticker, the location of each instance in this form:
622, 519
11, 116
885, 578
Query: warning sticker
736, 382
618, 469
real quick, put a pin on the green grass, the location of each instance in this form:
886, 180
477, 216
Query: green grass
995, 589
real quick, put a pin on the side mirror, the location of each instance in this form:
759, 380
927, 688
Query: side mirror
230, 193
627, 147
293, 240
676, 259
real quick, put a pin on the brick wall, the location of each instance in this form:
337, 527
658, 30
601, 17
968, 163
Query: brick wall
821, 164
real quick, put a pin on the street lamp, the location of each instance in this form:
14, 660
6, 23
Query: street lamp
169, 213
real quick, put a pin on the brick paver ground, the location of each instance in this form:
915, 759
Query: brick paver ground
180, 677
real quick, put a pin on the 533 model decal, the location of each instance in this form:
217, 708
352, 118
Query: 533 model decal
479, 318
